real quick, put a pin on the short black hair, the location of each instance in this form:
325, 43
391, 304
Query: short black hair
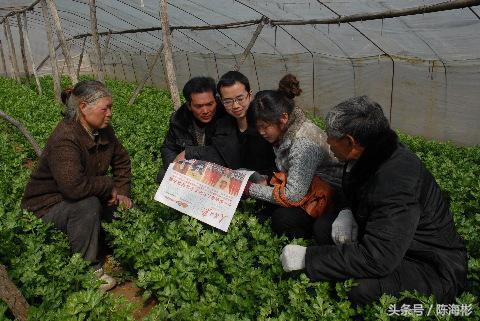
230, 78
198, 85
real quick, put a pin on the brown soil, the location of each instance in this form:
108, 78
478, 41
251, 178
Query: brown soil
132, 294
30, 164
128, 290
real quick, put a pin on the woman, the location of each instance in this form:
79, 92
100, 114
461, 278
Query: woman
70, 187
301, 154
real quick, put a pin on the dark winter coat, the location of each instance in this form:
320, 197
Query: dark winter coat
74, 166
257, 153
401, 214
219, 135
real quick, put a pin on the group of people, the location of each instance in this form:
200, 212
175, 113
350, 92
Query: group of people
371, 208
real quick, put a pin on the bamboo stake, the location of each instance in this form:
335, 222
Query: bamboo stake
423, 9
61, 39
4, 65
12, 296
167, 52
231, 25
11, 13
107, 43
30, 54
147, 76
53, 60
24, 132
96, 44
81, 57
104, 53
249, 47
47, 57
22, 47
11, 47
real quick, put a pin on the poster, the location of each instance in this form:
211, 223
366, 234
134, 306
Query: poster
205, 191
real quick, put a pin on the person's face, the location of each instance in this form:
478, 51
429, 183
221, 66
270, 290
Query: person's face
223, 184
272, 132
236, 99
203, 106
97, 114
345, 148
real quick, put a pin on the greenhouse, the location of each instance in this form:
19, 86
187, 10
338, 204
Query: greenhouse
419, 60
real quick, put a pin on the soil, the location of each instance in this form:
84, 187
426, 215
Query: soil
132, 294
30, 164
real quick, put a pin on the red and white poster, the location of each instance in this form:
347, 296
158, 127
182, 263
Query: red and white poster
205, 191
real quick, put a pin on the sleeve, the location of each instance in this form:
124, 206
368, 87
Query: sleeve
169, 149
121, 169
303, 160
69, 174
224, 149
389, 231
206, 153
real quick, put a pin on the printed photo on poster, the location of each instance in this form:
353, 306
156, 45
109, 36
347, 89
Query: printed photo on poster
203, 190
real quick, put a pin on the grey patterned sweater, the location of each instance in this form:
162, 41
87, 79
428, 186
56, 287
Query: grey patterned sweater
302, 153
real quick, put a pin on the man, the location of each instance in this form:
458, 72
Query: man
257, 154
199, 129
406, 234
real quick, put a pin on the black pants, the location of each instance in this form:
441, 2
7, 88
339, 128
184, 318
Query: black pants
161, 173
409, 275
294, 222
81, 222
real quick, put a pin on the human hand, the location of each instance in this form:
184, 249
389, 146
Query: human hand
293, 257
258, 178
180, 157
263, 181
112, 200
344, 228
124, 202
246, 190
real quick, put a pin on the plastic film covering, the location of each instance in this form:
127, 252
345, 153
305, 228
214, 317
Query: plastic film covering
423, 69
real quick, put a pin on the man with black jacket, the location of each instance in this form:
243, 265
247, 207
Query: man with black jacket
200, 129
406, 234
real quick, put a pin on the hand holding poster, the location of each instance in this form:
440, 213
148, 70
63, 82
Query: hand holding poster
205, 191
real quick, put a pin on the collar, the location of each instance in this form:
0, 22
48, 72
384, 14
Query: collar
295, 121
374, 156
85, 138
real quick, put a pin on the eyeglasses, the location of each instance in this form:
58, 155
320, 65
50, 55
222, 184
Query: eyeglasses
228, 102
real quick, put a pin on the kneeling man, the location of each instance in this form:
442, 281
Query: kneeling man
406, 234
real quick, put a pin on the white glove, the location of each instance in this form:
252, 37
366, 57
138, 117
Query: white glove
293, 257
344, 228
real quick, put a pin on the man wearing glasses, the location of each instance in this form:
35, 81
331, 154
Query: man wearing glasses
200, 129
256, 153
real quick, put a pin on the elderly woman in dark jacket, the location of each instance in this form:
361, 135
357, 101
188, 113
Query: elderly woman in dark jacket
70, 187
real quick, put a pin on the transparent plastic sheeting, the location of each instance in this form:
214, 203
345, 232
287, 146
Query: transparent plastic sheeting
423, 69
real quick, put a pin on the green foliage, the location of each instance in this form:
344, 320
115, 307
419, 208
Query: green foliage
58, 286
194, 271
